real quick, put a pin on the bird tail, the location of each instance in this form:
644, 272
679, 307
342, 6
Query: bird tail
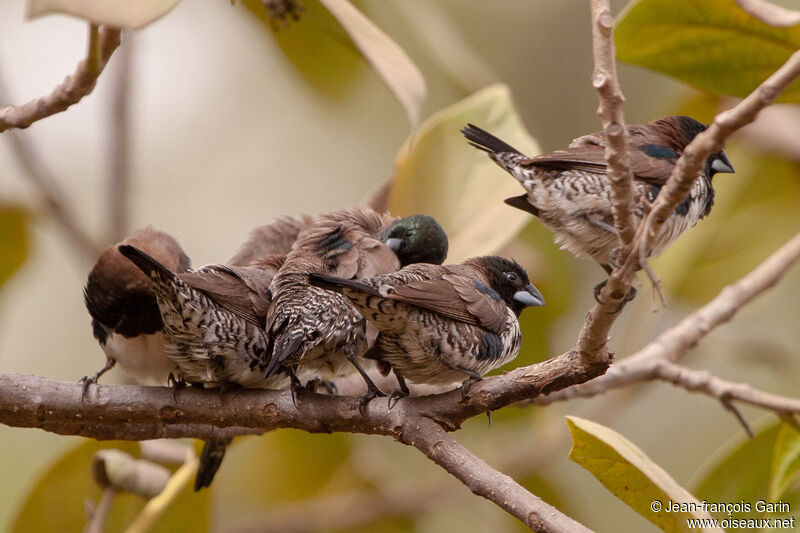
147, 264
210, 461
483, 140
336, 284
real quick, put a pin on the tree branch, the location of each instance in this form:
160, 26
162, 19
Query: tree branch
657, 359
102, 43
483, 480
119, 123
690, 164
605, 81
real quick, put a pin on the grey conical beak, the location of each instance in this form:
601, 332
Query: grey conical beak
722, 164
529, 297
394, 243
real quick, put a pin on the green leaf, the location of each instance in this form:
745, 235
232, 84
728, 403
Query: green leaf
13, 240
713, 44
785, 469
390, 62
120, 13
438, 173
630, 475
56, 502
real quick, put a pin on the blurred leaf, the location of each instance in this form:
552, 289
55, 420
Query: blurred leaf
316, 45
13, 240
785, 469
714, 44
387, 58
280, 466
628, 473
56, 502
438, 173
739, 471
757, 206
120, 13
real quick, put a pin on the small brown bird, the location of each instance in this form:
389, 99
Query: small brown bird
569, 192
125, 317
442, 323
213, 321
319, 334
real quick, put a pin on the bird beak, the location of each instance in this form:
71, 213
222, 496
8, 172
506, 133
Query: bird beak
529, 297
394, 243
722, 164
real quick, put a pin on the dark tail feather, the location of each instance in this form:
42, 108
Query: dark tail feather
335, 284
522, 202
210, 461
483, 140
285, 347
146, 263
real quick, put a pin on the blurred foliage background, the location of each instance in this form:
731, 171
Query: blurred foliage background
234, 123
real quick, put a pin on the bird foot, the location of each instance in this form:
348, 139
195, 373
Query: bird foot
465, 386
88, 381
295, 387
396, 396
630, 295
364, 399
175, 384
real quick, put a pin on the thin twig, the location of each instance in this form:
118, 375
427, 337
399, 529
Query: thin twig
119, 141
80, 83
97, 519
606, 83
690, 164
654, 360
483, 480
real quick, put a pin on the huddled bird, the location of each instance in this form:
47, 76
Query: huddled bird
277, 237
125, 316
319, 334
440, 324
569, 192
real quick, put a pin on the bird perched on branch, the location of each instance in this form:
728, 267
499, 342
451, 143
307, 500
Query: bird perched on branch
213, 320
442, 323
569, 192
125, 316
317, 333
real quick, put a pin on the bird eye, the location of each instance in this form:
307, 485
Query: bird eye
512, 276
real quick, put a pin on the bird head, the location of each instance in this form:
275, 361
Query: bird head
416, 239
677, 132
510, 281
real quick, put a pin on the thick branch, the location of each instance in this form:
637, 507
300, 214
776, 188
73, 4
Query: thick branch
102, 44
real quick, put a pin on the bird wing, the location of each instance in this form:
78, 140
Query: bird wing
458, 297
652, 163
240, 290
274, 238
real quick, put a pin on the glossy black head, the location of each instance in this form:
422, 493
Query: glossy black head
511, 282
678, 131
416, 239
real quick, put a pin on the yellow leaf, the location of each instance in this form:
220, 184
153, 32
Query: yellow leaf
391, 63
633, 477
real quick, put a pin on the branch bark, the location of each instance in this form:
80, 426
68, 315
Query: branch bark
658, 359
102, 43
